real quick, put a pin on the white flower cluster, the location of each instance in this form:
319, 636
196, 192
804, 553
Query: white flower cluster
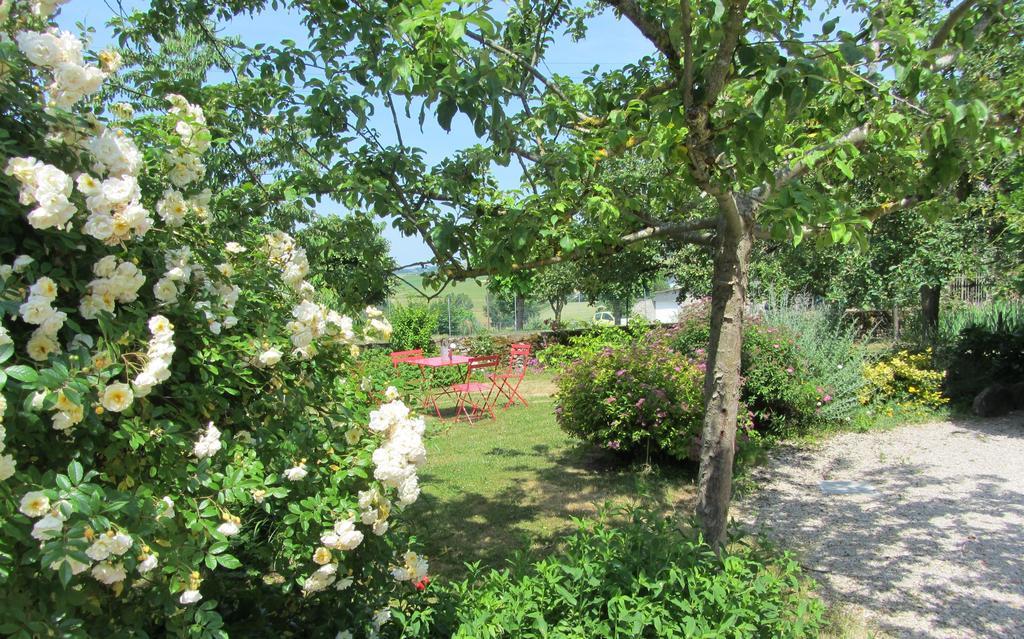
296, 473
67, 413
321, 579
190, 125
38, 310
174, 206
413, 568
115, 208
45, 8
114, 153
343, 536
61, 53
50, 525
218, 312
208, 443
374, 509
177, 276
45, 186
315, 322
396, 459
377, 326
115, 282
158, 356
291, 259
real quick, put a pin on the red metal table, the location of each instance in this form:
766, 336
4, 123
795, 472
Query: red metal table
430, 396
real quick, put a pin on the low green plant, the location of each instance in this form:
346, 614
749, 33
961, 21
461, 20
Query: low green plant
980, 356
996, 316
645, 578
636, 397
591, 341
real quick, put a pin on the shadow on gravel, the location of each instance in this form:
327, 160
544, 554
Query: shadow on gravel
937, 550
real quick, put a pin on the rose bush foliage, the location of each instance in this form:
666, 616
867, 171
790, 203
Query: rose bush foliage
188, 442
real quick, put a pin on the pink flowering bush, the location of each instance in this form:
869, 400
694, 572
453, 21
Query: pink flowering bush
188, 443
634, 398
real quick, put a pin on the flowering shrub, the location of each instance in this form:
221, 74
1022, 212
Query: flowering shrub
778, 389
777, 386
644, 578
905, 378
178, 452
637, 397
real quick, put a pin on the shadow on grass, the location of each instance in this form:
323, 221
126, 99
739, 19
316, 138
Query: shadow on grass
534, 511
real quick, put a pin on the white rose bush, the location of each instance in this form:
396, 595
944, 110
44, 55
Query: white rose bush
187, 441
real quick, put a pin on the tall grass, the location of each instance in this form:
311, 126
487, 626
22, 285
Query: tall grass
994, 316
831, 349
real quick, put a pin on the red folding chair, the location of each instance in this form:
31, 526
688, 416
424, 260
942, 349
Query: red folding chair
474, 389
507, 383
403, 356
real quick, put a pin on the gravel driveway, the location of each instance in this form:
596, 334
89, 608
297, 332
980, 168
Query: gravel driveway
920, 528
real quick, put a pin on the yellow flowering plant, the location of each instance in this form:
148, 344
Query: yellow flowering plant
906, 378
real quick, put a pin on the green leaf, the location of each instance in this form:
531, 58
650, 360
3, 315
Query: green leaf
445, 112
5, 352
23, 373
75, 472
229, 561
829, 26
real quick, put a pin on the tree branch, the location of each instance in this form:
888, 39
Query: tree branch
856, 136
525, 64
954, 16
687, 26
686, 232
714, 81
651, 30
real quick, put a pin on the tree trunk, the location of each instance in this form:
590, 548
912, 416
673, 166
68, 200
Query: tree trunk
556, 309
617, 313
930, 311
722, 378
520, 303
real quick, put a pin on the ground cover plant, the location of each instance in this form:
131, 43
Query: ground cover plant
642, 577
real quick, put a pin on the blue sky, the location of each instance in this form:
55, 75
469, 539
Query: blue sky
610, 43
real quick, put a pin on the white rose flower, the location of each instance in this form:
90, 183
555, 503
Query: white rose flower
147, 564
40, 346
41, 49
49, 527
234, 247
35, 504
296, 473
270, 357
228, 529
21, 263
117, 397
108, 573
6, 467
190, 597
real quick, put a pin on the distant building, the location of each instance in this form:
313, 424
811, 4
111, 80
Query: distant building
661, 306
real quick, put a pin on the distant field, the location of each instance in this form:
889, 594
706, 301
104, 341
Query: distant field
476, 290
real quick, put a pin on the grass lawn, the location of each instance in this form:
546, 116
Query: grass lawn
496, 487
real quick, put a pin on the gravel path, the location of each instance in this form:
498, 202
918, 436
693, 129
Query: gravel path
929, 540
